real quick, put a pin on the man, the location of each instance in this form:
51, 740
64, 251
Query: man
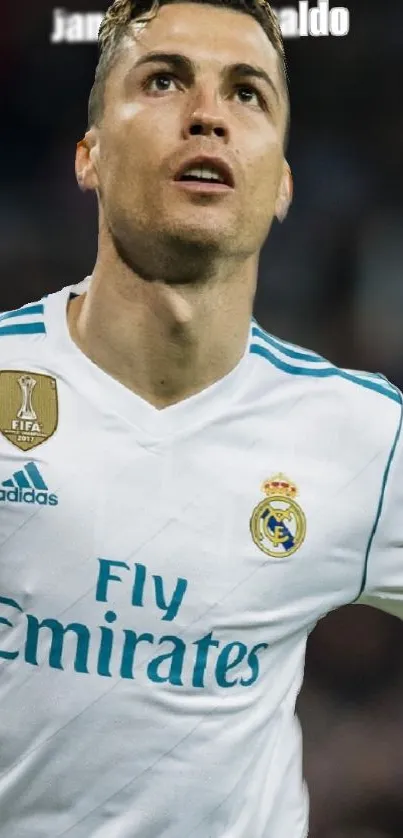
183, 496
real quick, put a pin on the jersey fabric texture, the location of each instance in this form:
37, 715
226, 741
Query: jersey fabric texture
160, 572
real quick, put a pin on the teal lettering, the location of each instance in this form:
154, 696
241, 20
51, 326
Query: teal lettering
56, 649
254, 664
172, 609
138, 587
105, 576
112, 645
129, 650
13, 604
223, 664
105, 649
201, 658
176, 657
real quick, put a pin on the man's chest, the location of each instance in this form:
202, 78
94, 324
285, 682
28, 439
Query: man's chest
228, 529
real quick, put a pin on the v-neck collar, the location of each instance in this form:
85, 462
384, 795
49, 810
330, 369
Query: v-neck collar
114, 397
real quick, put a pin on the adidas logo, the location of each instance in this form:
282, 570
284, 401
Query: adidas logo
27, 486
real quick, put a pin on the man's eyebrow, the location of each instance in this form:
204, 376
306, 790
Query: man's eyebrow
183, 63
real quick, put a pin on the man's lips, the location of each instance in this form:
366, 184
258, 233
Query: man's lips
202, 186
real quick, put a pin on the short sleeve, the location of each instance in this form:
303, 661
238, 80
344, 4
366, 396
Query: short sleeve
383, 571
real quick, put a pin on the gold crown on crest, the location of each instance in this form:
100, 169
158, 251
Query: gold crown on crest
279, 485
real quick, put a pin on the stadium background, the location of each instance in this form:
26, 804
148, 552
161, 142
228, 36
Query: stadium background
330, 279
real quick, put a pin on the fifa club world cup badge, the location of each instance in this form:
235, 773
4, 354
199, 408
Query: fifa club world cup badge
278, 524
28, 407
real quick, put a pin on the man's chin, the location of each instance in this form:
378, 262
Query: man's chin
202, 235
179, 254
199, 225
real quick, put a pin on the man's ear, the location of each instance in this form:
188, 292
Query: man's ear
85, 164
285, 193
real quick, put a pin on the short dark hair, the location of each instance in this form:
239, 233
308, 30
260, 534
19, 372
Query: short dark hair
121, 13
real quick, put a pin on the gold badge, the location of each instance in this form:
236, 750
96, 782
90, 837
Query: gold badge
278, 524
28, 407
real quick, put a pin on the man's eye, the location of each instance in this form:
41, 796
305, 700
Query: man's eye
158, 76
250, 90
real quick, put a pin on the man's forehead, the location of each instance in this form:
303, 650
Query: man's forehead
189, 28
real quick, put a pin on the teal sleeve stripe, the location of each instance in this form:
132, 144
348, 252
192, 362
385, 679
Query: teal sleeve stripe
292, 353
23, 329
314, 358
327, 372
20, 312
381, 499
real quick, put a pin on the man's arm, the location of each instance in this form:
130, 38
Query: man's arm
383, 572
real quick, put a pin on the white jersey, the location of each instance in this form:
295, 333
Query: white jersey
160, 571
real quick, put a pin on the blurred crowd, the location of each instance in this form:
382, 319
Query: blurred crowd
331, 279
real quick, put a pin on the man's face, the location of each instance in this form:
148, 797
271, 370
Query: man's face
157, 115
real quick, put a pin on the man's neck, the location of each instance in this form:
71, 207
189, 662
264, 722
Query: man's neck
164, 342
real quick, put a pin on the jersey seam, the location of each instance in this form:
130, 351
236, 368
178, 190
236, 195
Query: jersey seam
381, 498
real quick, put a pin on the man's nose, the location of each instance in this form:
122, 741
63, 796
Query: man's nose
206, 116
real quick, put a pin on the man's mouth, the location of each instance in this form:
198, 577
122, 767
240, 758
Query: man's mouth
205, 169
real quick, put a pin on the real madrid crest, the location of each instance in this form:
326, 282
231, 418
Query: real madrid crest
28, 407
278, 524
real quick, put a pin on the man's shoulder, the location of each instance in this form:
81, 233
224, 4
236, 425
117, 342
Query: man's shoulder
22, 329
365, 401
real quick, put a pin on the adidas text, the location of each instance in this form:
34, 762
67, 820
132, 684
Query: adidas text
28, 496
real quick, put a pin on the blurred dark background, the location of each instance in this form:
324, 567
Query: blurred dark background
330, 279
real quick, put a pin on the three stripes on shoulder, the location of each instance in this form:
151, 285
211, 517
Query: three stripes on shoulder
27, 320
297, 361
